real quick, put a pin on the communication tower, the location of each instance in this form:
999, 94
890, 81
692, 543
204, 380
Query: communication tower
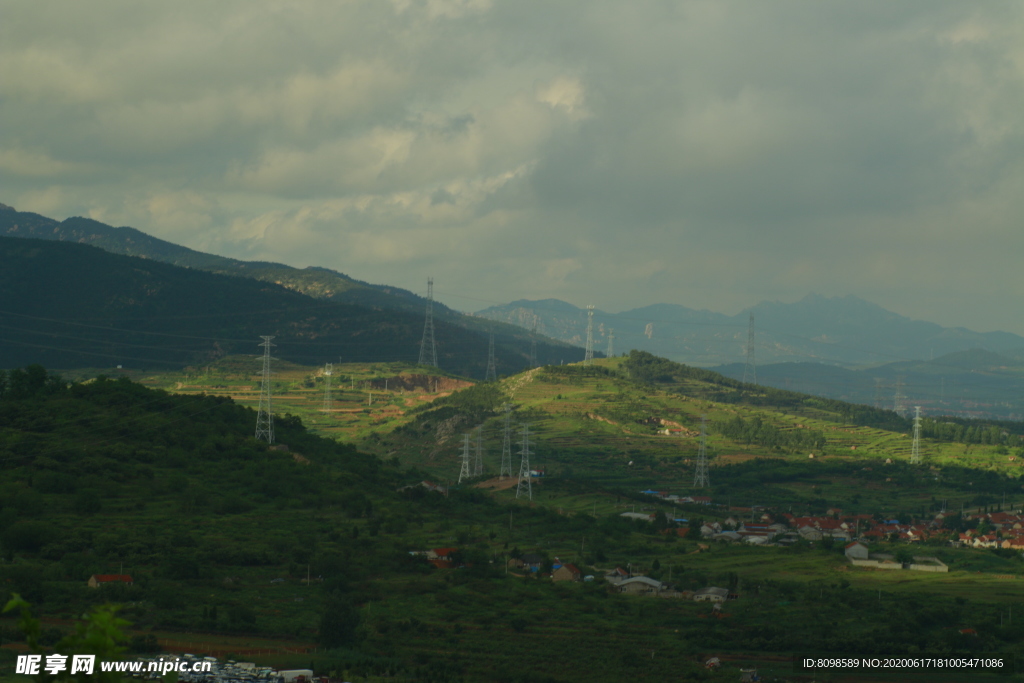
750, 369
428, 348
506, 447
265, 416
700, 477
464, 473
328, 369
525, 487
492, 373
915, 449
588, 358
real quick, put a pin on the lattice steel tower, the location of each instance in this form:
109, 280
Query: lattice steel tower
611, 342
492, 373
700, 476
428, 348
533, 346
750, 369
506, 447
265, 416
525, 487
899, 400
464, 473
478, 464
915, 449
588, 357
328, 369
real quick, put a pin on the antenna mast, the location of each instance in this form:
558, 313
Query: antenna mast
506, 447
464, 473
327, 386
265, 416
428, 348
525, 487
915, 449
492, 374
750, 369
588, 357
700, 477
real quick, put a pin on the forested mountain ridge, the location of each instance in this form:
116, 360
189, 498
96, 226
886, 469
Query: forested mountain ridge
71, 305
321, 283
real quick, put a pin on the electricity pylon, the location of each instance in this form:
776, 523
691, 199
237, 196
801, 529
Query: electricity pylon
750, 369
428, 348
506, 447
700, 476
915, 449
525, 487
611, 342
588, 357
533, 346
265, 416
492, 373
327, 387
464, 473
898, 401
478, 465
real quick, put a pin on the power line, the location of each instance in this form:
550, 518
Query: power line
611, 342
588, 357
506, 447
915, 449
491, 375
465, 473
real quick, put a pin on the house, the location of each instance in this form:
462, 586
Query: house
531, 562
856, 551
442, 558
616, 576
642, 516
711, 594
97, 580
566, 572
641, 585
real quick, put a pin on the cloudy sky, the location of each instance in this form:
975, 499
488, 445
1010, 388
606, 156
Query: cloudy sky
706, 153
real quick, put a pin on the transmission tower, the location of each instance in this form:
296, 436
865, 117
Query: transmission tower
898, 401
525, 487
506, 447
478, 465
878, 391
265, 417
464, 473
750, 369
611, 342
915, 449
327, 386
700, 477
428, 348
492, 374
588, 358
533, 345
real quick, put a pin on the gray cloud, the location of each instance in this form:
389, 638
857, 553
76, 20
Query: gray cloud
705, 153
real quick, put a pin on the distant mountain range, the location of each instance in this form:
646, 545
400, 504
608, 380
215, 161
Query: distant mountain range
66, 304
845, 331
840, 347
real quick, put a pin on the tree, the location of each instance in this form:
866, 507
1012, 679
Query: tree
338, 623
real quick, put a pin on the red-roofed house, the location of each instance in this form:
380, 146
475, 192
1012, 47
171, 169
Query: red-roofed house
97, 580
566, 572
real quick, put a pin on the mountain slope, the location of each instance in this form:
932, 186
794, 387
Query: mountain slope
72, 305
321, 283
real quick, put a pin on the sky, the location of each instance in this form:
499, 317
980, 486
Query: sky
711, 154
